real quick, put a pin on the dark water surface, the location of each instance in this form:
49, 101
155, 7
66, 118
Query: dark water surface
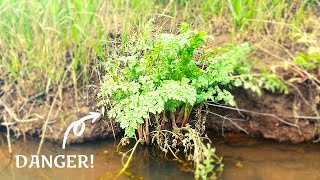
244, 158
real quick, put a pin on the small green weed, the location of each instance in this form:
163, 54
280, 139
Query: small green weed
308, 61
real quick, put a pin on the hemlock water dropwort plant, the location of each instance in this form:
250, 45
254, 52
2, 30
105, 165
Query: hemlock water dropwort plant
157, 85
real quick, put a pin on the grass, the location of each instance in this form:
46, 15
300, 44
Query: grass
39, 39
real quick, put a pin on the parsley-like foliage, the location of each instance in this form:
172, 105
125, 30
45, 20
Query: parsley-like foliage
162, 79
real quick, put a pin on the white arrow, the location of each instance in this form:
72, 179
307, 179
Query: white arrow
75, 125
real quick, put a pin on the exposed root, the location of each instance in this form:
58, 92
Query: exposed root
126, 165
194, 149
8, 137
231, 121
258, 113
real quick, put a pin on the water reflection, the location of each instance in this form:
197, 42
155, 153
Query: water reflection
244, 158
107, 163
265, 160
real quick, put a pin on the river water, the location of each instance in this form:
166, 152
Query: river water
244, 158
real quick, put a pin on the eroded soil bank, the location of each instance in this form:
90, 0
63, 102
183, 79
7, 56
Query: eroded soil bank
290, 118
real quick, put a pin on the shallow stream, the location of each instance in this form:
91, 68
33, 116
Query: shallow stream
244, 158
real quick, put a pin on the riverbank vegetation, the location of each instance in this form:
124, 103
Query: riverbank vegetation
40, 37
154, 89
153, 63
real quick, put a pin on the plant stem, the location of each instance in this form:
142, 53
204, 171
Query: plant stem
173, 120
180, 115
187, 112
163, 119
140, 132
147, 132
157, 122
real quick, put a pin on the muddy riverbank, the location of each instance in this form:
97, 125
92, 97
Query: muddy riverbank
284, 118
291, 117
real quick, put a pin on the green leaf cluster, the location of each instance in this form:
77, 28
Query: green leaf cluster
308, 61
209, 165
168, 72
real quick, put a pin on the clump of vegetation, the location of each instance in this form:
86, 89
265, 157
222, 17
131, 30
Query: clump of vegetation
308, 61
157, 85
41, 40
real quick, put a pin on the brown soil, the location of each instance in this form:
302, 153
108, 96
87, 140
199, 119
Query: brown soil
283, 118
63, 114
272, 116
